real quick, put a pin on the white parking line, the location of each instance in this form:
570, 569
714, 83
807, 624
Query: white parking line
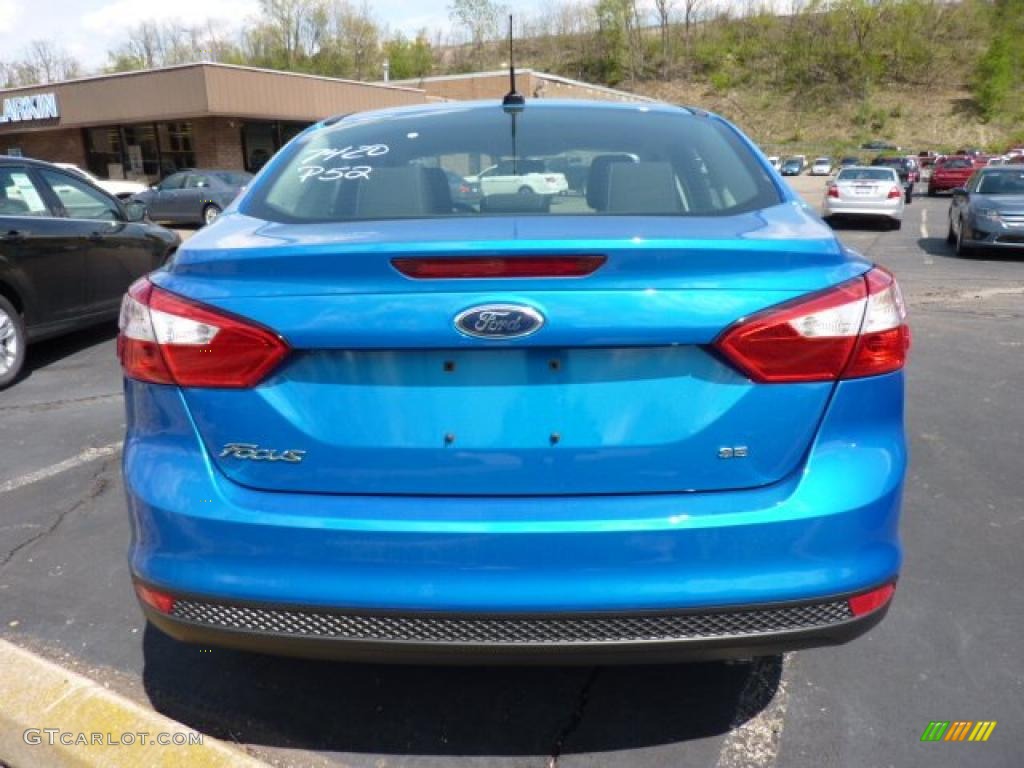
89, 454
924, 236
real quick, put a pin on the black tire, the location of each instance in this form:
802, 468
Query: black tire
963, 250
12, 343
932, 192
910, 194
896, 225
950, 234
525, 190
210, 212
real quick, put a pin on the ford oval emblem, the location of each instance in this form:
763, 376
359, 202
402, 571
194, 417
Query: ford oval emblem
499, 321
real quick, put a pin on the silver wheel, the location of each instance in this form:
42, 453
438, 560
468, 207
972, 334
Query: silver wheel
210, 213
8, 342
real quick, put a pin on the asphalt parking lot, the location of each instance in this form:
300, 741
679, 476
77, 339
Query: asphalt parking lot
949, 649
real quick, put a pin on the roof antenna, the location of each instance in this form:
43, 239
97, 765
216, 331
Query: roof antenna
513, 99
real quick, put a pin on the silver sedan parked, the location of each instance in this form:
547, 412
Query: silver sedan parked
989, 211
865, 192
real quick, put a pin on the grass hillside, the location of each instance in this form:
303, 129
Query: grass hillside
940, 118
925, 74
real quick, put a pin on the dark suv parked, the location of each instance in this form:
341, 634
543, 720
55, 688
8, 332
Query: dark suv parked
905, 167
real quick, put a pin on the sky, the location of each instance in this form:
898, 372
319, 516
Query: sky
88, 28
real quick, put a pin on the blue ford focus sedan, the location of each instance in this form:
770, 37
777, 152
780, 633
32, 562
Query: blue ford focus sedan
657, 415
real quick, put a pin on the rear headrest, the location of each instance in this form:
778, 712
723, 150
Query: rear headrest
597, 179
643, 188
513, 203
404, 191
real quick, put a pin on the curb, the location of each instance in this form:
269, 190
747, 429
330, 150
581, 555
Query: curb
38, 694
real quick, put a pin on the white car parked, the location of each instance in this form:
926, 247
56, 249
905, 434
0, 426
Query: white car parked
120, 188
822, 167
776, 162
865, 192
524, 177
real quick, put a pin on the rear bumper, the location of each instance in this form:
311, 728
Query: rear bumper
889, 210
594, 638
831, 528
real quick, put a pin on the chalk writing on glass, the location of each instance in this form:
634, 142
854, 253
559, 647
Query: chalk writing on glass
337, 173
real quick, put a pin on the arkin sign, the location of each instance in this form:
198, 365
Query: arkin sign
17, 109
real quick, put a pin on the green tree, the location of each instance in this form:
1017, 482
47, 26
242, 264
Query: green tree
999, 73
409, 58
479, 18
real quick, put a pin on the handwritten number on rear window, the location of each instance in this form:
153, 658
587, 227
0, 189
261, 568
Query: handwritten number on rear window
319, 164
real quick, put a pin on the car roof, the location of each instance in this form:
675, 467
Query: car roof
868, 168
209, 170
15, 160
456, 107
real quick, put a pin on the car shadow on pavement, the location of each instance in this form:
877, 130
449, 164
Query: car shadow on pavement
859, 224
937, 246
475, 711
45, 353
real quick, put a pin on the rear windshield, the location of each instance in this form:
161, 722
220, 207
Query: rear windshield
866, 174
544, 160
957, 164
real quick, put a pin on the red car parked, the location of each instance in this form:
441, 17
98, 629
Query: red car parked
950, 173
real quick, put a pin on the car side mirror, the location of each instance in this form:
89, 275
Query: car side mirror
134, 211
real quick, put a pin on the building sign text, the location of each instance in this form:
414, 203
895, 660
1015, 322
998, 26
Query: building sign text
42, 106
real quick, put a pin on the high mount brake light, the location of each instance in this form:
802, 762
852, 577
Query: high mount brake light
167, 339
855, 329
498, 266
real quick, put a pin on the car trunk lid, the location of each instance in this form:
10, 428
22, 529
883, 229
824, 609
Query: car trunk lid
620, 391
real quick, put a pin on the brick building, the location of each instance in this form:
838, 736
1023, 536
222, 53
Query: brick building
144, 125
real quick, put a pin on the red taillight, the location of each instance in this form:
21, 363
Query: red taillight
833, 190
894, 193
871, 601
852, 330
167, 339
517, 266
158, 601
884, 337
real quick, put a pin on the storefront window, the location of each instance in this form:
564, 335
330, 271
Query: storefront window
261, 140
103, 152
176, 146
146, 151
142, 159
